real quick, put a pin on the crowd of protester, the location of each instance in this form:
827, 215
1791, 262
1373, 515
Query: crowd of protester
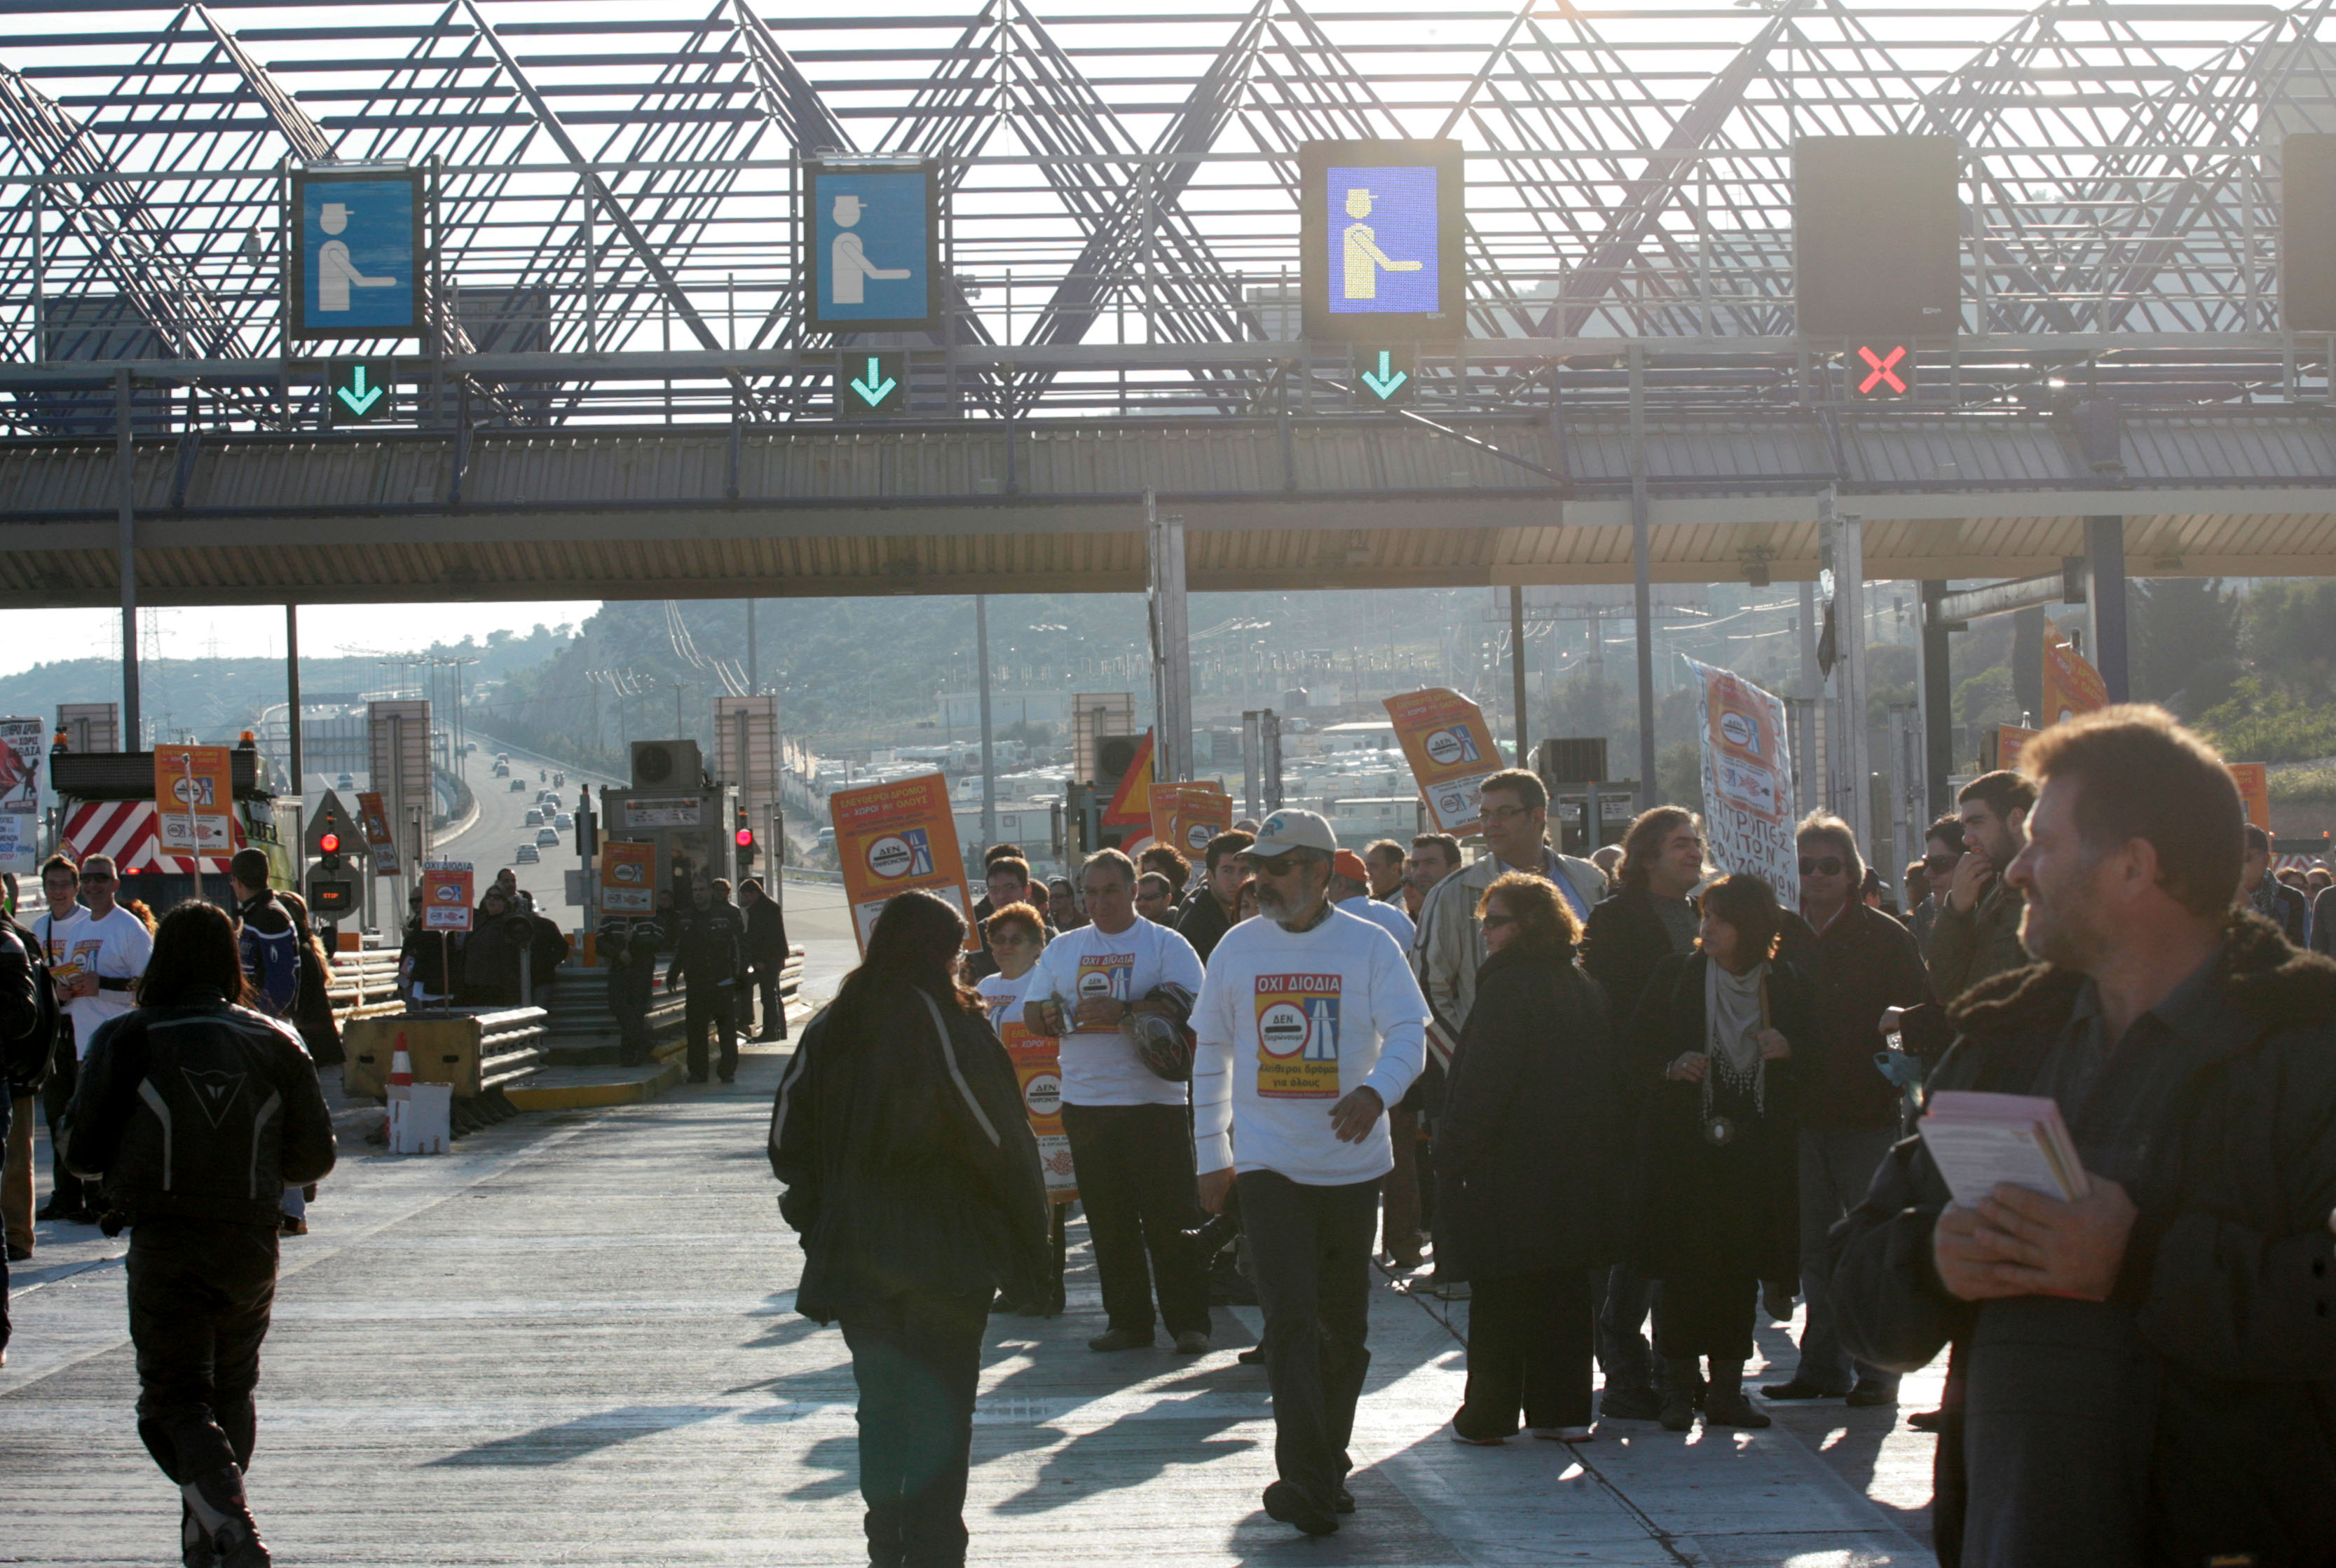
1593, 1093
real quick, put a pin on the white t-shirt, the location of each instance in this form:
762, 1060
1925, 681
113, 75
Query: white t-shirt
115, 948
1100, 1067
1003, 996
1392, 920
1289, 1024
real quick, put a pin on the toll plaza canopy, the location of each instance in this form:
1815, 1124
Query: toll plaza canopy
500, 299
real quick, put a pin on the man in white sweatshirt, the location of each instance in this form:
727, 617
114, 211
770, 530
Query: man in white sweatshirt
1309, 1024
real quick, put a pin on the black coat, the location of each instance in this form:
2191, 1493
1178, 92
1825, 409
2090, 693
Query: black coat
2231, 1267
906, 1171
1623, 945
1701, 1208
766, 937
1528, 1150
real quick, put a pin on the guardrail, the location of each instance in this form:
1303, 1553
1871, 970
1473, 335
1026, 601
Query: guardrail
477, 1054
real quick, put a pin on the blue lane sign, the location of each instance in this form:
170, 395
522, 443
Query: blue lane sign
872, 247
357, 254
1380, 238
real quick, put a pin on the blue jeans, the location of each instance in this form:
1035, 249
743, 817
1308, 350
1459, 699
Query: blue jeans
1838, 1165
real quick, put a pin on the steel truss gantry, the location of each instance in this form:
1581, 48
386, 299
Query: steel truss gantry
1122, 195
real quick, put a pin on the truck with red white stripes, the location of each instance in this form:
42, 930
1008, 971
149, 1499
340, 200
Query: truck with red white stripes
105, 805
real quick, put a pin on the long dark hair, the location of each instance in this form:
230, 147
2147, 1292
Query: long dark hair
917, 941
195, 960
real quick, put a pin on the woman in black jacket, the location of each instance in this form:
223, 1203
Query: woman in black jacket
913, 1179
1718, 1159
1526, 1158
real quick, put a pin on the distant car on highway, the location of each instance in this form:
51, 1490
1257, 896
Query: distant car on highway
534, 818
548, 836
518, 784
527, 856
348, 782
563, 821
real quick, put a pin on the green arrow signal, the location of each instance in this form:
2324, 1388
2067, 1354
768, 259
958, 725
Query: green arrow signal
1384, 382
358, 396
873, 391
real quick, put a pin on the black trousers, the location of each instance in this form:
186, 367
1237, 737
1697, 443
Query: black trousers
1706, 1314
1135, 1178
719, 1008
200, 1295
1529, 1347
773, 1023
68, 1194
1311, 1249
917, 1359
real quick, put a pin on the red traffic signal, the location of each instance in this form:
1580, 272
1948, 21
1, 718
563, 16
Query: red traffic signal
745, 838
1885, 372
329, 843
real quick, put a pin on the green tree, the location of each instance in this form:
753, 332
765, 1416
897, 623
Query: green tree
1986, 699
2179, 627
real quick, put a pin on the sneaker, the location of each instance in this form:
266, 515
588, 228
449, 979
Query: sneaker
1562, 1434
1632, 1404
1871, 1392
1798, 1389
1678, 1411
1191, 1342
1927, 1420
1121, 1339
1728, 1407
194, 1544
239, 1545
1292, 1507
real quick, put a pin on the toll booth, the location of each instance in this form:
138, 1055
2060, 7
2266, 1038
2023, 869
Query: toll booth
674, 804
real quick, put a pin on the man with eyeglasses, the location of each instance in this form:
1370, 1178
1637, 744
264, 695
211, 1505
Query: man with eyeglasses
1513, 809
1863, 963
106, 954
60, 884
1942, 847
1308, 1026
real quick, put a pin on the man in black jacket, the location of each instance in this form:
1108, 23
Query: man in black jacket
1214, 908
710, 952
766, 952
629, 945
1630, 932
2272, 898
28, 1033
2143, 1374
196, 1115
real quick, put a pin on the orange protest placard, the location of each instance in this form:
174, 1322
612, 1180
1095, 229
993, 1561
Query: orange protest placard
2071, 685
2009, 740
2254, 780
1186, 816
446, 896
1450, 748
194, 799
627, 877
374, 817
891, 837
1037, 1068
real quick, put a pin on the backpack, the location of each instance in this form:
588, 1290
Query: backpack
28, 1058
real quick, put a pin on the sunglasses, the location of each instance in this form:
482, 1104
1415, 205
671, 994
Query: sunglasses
1828, 866
1010, 939
1941, 863
1491, 920
95, 877
1278, 866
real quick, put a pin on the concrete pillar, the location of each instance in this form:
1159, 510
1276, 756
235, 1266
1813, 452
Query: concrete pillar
988, 756
1517, 672
1935, 688
1171, 662
1642, 589
125, 462
2105, 603
1845, 537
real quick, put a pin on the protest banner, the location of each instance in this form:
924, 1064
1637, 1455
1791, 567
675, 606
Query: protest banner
21, 741
1037, 1068
1748, 780
1186, 816
2009, 738
1450, 748
627, 877
194, 799
380, 840
891, 837
2254, 780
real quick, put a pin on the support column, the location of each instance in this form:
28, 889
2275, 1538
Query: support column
1517, 671
125, 465
1809, 764
753, 682
292, 701
1846, 537
1935, 688
988, 756
2105, 602
1172, 665
1642, 589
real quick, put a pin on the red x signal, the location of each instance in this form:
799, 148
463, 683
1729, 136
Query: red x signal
1882, 370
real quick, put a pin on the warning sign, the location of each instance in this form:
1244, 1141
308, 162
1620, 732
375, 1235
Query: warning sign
1298, 1036
194, 799
446, 896
627, 877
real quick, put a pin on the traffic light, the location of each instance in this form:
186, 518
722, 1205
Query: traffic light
744, 838
358, 391
329, 852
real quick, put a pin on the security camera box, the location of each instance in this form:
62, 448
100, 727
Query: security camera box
421, 1118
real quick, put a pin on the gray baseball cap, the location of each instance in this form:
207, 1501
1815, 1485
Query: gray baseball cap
1285, 831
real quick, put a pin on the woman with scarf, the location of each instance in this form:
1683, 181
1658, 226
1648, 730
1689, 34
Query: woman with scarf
1717, 1032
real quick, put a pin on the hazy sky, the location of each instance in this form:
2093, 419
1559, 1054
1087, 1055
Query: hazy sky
30, 636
